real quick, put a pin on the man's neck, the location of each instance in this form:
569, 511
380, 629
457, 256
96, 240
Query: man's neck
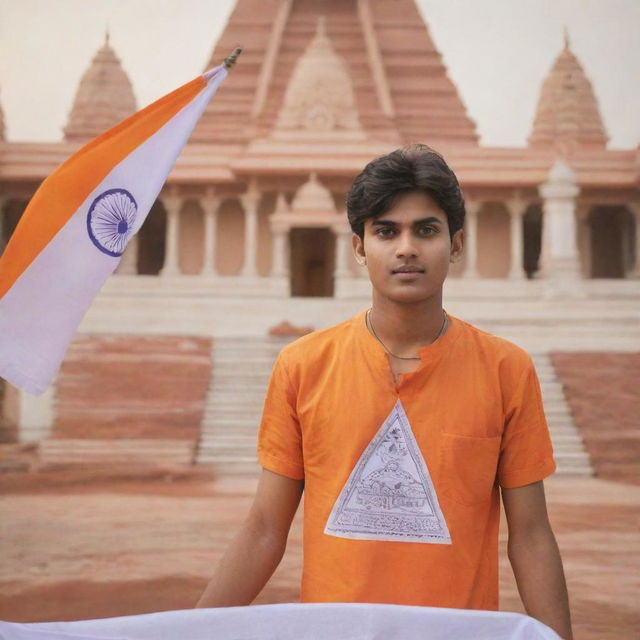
405, 327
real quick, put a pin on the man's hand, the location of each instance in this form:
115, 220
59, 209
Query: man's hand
256, 551
534, 556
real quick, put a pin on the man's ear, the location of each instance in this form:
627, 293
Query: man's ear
457, 243
358, 249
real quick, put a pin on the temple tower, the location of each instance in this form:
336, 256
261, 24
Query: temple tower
104, 97
396, 88
568, 115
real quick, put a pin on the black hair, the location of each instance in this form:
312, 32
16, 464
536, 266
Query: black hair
416, 167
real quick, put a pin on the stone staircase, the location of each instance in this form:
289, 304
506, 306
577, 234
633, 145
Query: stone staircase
241, 369
240, 372
569, 451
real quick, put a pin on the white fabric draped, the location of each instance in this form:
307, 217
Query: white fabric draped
294, 622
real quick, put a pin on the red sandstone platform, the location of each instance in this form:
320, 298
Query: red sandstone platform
89, 549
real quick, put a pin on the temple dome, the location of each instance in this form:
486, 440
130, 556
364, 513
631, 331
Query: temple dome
313, 197
568, 115
104, 97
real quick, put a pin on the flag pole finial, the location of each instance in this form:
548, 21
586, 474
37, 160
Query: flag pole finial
231, 60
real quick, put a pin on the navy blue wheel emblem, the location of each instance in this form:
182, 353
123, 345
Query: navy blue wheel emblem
110, 221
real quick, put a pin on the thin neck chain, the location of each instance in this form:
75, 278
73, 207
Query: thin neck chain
375, 335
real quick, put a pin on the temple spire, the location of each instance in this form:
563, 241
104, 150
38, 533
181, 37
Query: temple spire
568, 115
399, 84
104, 96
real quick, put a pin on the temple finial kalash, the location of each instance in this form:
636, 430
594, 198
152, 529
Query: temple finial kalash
231, 60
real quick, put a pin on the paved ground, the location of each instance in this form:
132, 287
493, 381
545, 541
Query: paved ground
77, 545
96, 549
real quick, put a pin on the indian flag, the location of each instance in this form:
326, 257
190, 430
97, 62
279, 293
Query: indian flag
75, 229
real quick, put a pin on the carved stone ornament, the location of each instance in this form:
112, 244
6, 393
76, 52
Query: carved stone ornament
319, 100
312, 197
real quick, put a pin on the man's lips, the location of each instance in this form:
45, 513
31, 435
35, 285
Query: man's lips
408, 269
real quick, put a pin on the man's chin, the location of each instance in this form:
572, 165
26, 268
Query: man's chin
408, 295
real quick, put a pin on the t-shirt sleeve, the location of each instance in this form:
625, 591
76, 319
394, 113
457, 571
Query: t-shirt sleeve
279, 436
526, 453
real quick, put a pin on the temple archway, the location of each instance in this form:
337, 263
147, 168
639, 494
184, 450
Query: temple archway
10, 216
612, 241
151, 241
312, 262
493, 241
191, 234
532, 231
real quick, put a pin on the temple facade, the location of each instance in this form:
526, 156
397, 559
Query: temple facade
256, 201
255, 204
250, 231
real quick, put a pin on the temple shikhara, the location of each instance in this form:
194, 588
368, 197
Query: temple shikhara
251, 230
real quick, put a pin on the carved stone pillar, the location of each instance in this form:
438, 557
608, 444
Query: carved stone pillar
129, 261
250, 202
210, 205
635, 271
560, 249
172, 203
471, 239
33, 415
559, 194
280, 250
342, 233
516, 215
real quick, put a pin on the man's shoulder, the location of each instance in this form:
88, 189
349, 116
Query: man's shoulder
493, 347
317, 343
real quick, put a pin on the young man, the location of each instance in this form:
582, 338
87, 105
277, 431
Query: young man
402, 425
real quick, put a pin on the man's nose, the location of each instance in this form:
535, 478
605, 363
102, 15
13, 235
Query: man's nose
406, 247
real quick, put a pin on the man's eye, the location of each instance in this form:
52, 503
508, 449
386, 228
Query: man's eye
384, 232
427, 231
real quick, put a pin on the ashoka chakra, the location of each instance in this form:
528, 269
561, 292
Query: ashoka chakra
110, 220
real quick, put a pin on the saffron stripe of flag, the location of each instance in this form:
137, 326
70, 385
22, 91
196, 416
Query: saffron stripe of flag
73, 232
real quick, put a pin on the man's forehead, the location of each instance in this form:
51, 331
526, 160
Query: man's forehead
404, 218
412, 207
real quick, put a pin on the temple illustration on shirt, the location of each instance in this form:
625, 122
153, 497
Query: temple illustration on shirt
389, 494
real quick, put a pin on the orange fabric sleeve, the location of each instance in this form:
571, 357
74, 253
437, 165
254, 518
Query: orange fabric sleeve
280, 437
526, 452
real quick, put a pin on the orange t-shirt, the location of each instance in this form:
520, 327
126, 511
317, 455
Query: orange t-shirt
401, 498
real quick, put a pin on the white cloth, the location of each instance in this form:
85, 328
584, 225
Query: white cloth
294, 622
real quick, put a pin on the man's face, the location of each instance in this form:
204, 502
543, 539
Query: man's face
407, 250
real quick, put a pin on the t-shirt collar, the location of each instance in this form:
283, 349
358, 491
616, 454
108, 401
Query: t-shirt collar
430, 353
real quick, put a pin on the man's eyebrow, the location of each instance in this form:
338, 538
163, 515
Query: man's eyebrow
391, 223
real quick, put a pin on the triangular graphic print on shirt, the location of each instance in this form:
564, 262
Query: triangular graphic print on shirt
389, 494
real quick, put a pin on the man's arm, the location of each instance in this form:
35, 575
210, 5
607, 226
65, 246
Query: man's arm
535, 558
257, 549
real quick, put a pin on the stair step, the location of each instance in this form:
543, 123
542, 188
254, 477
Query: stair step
236, 398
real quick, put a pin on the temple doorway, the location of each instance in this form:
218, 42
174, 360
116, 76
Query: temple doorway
612, 250
312, 262
151, 241
532, 231
9, 218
